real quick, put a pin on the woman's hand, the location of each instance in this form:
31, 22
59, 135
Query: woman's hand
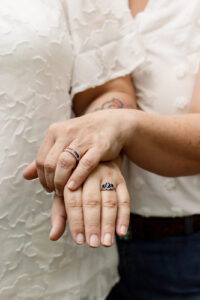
96, 137
91, 212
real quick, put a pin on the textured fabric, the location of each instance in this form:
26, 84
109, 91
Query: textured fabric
37, 39
110, 49
170, 33
167, 269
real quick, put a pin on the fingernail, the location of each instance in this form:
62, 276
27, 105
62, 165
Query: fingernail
80, 239
71, 185
94, 241
123, 230
107, 239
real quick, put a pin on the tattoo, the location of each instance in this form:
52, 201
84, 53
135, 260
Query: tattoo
114, 103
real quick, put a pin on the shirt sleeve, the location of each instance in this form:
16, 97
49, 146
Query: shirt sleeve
105, 40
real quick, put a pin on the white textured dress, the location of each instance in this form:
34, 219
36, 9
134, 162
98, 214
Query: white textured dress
48, 47
170, 33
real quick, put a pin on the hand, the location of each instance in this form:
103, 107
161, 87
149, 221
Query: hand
99, 136
92, 213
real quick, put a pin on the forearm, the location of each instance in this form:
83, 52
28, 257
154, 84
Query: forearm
116, 94
111, 100
165, 145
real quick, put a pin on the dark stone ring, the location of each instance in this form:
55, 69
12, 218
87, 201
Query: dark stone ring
108, 187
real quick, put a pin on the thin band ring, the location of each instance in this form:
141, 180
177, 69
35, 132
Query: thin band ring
73, 152
108, 187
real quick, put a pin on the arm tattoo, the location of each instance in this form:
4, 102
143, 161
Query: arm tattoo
114, 103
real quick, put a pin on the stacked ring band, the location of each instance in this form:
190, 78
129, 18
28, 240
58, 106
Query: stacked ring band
73, 152
108, 187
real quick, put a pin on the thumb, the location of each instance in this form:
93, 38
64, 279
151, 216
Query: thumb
30, 172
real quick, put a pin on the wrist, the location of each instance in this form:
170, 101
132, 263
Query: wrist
129, 124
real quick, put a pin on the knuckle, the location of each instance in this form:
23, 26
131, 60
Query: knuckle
69, 129
49, 166
110, 203
90, 203
65, 162
87, 163
52, 128
39, 163
109, 172
124, 202
73, 202
121, 180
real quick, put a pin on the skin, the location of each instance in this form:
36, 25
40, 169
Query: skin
92, 213
54, 166
137, 6
164, 145
99, 210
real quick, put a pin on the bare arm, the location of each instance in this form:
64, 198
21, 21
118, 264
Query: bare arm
116, 94
165, 145
168, 145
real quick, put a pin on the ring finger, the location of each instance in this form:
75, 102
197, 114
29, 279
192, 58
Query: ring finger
108, 217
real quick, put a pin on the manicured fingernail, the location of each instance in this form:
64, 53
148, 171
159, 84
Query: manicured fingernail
71, 185
107, 239
80, 239
123, 229
94, 241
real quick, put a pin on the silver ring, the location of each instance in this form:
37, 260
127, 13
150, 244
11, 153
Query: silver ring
108, 187
73, 152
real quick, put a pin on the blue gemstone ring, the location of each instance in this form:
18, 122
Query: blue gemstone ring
108, 187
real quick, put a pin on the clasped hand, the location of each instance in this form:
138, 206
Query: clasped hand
91, 212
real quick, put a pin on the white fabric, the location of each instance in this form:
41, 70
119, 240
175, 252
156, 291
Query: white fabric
105, 52
170, 32
36, 69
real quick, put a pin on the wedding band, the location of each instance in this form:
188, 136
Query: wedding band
73, 152
108, 187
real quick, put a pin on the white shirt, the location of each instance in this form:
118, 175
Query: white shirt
170, 33
48, 47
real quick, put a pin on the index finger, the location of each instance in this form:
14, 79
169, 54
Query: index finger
86, 165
